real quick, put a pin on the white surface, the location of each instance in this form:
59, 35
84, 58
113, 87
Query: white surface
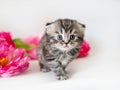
99, 71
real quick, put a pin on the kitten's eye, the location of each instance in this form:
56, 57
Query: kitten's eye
72, 37
59, 37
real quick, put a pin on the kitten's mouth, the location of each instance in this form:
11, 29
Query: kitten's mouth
66, 46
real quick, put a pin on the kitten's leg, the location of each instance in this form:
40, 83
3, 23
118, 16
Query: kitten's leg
44, 68
58, 69
41, 59
61, 73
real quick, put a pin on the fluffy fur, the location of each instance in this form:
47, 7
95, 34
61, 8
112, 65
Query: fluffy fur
60, 45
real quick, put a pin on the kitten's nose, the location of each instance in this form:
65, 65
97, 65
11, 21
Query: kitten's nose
66, 44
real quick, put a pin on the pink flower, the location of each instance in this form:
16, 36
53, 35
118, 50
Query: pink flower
7, 37
32, 54
32, 41
4, 48
84, 49
12, 61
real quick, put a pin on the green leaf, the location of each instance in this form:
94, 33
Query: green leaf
20, 44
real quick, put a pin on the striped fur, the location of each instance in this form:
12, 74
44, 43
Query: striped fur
60, 45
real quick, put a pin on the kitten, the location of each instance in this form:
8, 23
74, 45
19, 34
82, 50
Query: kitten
60, 45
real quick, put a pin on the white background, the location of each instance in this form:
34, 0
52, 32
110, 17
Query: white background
98, 71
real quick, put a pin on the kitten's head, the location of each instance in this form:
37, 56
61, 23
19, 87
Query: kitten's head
65, 34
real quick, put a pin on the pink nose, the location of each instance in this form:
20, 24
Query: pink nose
65, 45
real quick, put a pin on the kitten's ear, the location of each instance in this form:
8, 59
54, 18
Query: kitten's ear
50, 27
81, 27
48, 23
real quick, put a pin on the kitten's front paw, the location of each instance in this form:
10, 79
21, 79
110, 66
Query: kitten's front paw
53, 64
45, 70
62, 77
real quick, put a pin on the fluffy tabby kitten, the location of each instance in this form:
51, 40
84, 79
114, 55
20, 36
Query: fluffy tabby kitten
60, 45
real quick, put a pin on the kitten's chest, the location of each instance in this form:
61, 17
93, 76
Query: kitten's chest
64, 59
60, 55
